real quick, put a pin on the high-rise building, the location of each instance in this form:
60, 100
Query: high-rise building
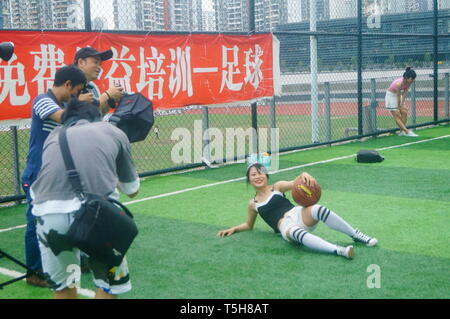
340, 9
375, 7
186, 15
126, 14
402, 6
35, 14
234, 15
209, 23
269, 13
416, 5
322, 9
1, 15
158, 15
155, 15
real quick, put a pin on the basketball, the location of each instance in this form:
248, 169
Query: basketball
305, 195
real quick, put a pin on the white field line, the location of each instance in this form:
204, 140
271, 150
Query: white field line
14, 274
243, 178
279, 171
12, 228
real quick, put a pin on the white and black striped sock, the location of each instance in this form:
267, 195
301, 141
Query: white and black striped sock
332, 220
311, 241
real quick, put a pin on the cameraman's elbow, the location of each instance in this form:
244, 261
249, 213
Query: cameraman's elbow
133, 195
131, 189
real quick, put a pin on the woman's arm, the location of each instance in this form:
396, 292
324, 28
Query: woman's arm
404, 95
248, 225
284, 186
399, 99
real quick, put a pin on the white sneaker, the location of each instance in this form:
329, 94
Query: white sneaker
346, 252
411, 134
401, 133
363, 238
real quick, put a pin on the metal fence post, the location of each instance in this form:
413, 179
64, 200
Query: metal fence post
446, 95
254, 111
327, 112
373, 105
359, 67
205, 133
273, 121
435, 60
254, 115
16, 164
87, 15
413, 103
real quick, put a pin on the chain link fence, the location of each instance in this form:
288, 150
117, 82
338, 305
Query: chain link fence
362, 46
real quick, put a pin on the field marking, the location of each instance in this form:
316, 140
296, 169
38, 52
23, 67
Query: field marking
12, 228
243, 178
14, 274
279, 171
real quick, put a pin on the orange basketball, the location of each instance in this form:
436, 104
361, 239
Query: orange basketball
305, 195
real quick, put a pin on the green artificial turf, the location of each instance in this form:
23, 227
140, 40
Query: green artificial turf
403, 201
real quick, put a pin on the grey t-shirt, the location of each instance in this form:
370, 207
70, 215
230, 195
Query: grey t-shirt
102, 156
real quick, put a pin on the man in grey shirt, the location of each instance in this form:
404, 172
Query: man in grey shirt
102, 156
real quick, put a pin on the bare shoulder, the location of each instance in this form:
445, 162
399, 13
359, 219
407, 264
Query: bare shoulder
251, 204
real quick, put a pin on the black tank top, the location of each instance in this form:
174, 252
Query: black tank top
273, 209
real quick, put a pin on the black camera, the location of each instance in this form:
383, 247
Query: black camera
6, 50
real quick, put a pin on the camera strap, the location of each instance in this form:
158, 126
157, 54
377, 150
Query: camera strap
72, 173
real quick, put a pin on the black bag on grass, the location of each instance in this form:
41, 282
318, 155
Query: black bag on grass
369, 156
103, 228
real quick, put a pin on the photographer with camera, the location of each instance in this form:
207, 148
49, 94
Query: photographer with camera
101, 154
89, 60
47, 110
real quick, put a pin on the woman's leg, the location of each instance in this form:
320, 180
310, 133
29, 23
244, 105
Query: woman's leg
398, 118
404, 115
334, 221
316, 243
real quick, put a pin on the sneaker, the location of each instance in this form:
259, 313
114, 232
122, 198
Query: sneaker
363, 238
346, 252
411, 134
401, 133
36, 281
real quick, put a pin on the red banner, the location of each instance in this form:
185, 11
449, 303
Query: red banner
171, 70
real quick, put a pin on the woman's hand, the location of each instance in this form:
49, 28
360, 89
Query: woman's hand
308, 179
226, 232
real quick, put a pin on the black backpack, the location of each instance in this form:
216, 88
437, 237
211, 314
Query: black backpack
134, 116
369, 156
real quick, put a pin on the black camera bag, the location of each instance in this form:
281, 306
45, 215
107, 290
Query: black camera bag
134, 116
103, 228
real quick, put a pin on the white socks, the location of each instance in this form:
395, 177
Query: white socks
332, 220
311, 241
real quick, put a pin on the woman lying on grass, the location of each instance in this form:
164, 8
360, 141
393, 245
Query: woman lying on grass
295, 223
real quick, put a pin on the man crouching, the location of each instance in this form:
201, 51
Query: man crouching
102, 156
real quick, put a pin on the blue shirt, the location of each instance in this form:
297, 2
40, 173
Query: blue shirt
41, 125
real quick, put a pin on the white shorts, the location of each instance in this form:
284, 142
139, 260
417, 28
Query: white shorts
61, 261
293, 218
390, 101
